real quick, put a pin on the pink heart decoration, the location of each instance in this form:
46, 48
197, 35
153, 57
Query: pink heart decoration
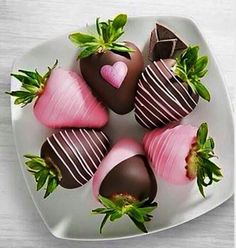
114, 74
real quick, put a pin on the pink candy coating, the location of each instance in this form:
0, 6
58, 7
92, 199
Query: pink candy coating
68, 102
167, 148
114, 74
121, 151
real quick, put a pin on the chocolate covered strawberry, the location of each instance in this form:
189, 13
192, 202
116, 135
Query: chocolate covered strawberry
183, 153
169, 89
110, 67
68, 158
125, 184
63, 99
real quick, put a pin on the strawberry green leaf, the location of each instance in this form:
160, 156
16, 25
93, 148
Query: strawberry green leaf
103, 211
190, 56
201, 64
148, 210
121, 205
200, 187
43, 173
209, 145
139, 225
103, 222
202, 73
107, 202
200, 157
42, 179
80, 38
98, 26
32, 85
202, 133
52, 185
136, 214
181, 73
87, 52
190, 68
121, 48
203, 91
119, 21
116, 215
34, 166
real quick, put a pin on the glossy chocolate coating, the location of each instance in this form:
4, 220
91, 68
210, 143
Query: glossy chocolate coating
162, 97
76, 153
163, 49
133, 176
163, 43
120, 100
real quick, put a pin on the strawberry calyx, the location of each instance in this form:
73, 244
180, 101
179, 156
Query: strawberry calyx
32, 85
119, 205
190, 68
105, 40
199, 164
44, 172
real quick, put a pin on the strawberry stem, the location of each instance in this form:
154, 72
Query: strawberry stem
124, 204
198, 161
44, 172
32, 85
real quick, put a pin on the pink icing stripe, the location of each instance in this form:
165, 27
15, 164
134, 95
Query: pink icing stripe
160, 152
94, 143
100, 140
173, 75
68, 156
146, 100
143, 114
174, 110
163, 88
144, 123
80, 157
149, 110
91, 147
171, 146
71, 144
67, 167
87, 153
176, 90
121, 151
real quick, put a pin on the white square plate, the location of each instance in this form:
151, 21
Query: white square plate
67, 213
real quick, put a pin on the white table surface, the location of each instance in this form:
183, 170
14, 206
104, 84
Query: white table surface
26, 23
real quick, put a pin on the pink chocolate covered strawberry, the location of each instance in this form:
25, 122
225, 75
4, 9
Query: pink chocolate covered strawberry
182, 153
125, 184
63, 99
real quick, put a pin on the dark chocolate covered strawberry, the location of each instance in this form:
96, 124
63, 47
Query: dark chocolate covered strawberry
111, 68
169, 89
125, 184
68, 158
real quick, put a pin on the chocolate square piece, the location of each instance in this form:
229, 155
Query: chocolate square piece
164, 33
164, 49
163, 43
